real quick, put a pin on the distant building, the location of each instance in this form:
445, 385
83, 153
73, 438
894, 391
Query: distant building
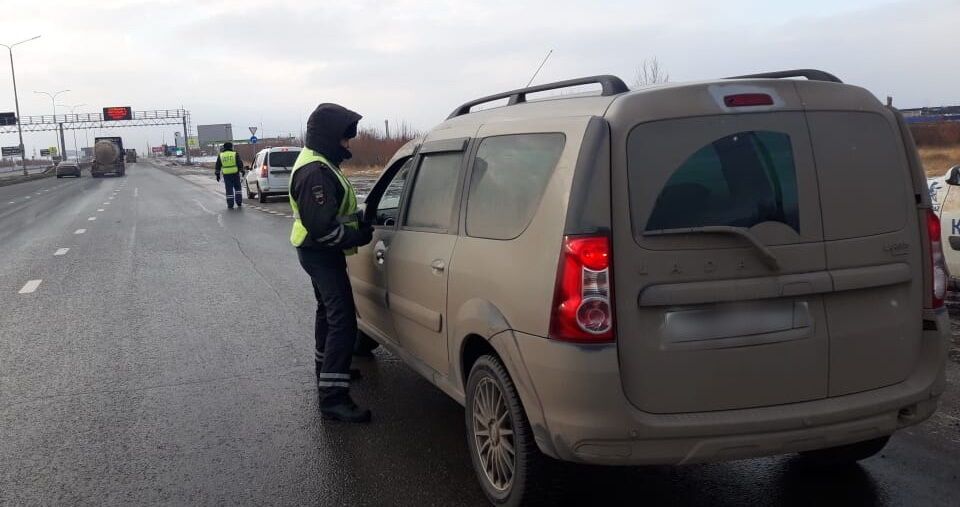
930, 114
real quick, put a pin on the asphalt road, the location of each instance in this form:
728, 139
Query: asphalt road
166, 358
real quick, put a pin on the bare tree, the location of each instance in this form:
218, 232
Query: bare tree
651, 72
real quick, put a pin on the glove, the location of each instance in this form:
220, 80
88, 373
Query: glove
218, 176
366, 235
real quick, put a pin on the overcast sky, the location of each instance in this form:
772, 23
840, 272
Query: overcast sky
268, 63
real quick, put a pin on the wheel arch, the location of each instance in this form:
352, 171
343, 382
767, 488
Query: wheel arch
481, 329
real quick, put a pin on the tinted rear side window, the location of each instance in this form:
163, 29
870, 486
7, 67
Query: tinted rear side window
737, 180
431, 202
282, 158
509, 176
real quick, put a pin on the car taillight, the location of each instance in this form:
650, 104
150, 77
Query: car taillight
938, 265
263, 171
583, 297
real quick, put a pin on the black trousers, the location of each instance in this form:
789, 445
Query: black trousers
335, 330
231, 185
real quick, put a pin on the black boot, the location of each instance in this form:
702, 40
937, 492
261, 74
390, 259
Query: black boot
346, 411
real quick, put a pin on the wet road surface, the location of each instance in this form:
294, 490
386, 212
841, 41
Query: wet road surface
166, 358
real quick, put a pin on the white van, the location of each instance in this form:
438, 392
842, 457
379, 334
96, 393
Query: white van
270, 172
945, 199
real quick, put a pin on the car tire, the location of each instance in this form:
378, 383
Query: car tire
365, 345
247, 185
262, 197
536, 479
59, 176
845, 455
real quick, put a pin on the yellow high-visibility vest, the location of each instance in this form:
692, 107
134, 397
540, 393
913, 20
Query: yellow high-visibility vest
228, 162
346, 215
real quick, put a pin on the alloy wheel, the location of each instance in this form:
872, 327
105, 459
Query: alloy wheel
493, 434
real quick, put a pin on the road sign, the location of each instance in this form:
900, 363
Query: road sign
253, 131
44, 152
53, 151
8, 151
117, 113
9, 119
253, 139
157, 149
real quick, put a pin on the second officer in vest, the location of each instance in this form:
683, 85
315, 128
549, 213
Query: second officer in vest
229, 163
325, 231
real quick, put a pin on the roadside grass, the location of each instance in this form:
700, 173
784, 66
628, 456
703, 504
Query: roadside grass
937, 159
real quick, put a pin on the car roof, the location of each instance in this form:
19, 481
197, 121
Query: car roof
674, 98
281, 148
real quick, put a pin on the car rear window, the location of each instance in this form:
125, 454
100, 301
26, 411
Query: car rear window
714, 171
509, 176
282, 158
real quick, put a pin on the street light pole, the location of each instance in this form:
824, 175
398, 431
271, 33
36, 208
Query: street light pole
73, 111
53, 100
16, 101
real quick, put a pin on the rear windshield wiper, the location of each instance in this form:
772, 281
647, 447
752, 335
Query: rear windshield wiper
769, 258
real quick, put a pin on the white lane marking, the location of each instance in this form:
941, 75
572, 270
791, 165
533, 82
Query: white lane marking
204, 208
12, 202
92, 219
136, 191
79, 231
28, 197
47, 190
61, 251
99, 209
30, 286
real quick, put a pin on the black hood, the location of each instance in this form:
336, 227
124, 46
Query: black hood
327, 125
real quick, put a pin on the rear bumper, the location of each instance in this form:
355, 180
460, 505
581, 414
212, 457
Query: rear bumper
268, 188
584, 416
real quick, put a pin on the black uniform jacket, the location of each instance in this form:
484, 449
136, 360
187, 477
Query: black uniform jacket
318, 193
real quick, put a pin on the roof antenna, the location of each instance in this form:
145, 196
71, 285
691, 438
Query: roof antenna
538, 68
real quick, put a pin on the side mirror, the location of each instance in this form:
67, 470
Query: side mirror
954, 178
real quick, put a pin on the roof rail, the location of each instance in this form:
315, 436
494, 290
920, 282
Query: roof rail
811, 74
611, 85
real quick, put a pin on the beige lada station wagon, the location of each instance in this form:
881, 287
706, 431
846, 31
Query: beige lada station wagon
674, 274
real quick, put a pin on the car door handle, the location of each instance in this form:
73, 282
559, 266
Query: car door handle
379, 252
438, 266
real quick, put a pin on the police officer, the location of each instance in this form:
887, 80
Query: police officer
229, 163
326, 229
